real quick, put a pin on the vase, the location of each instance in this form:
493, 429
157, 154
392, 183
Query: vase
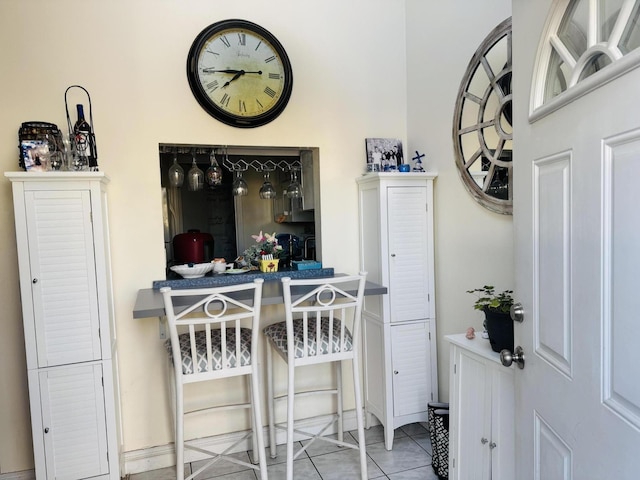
268, 266
500, 330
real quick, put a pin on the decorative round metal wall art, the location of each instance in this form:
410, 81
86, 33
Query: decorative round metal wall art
482, 124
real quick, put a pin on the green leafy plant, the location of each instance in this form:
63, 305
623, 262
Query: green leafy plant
489, 300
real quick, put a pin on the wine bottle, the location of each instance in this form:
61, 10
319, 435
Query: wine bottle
86, 155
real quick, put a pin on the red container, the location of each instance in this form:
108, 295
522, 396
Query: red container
192, 247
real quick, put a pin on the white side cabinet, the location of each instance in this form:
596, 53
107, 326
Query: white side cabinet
67, 310
481, 412
399, 329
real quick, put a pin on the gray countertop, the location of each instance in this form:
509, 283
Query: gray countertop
149, 301
221, 279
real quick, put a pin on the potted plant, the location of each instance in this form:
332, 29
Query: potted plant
498, 322
265, 253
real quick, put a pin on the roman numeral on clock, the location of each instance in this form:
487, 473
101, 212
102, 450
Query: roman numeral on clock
274, 76
270, 92
212, 86
224, 101
242, 106
225, 40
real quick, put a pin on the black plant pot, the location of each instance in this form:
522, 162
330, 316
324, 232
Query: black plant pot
500, 330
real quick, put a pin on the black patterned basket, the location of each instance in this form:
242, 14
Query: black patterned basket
438, 417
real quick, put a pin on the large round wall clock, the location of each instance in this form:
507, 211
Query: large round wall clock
239, 73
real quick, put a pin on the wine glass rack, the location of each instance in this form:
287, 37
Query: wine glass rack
260, 162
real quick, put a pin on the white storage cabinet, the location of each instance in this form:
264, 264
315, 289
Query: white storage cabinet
399, 329
67, 310
481, 412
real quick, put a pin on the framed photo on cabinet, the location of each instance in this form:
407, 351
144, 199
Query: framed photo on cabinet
383, 154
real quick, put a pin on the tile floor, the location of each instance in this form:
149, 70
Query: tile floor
410, 459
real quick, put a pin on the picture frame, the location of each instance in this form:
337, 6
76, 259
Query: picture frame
34, 155
383, 154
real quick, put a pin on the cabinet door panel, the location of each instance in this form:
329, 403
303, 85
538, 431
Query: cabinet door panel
74, 421
503, 455
411, 375
64, 291
409, 261
474, 420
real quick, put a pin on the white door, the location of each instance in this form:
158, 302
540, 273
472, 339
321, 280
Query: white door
577, 233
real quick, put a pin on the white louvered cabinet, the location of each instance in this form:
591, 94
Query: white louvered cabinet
67, 309
399, 329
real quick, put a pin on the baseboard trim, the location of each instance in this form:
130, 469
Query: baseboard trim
22, 475
144, 460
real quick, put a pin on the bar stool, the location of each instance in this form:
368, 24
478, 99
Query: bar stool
207, 342
322, 324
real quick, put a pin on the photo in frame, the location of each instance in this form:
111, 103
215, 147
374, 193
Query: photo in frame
383, 154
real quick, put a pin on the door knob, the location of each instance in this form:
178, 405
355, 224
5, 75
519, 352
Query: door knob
507, 358
517, 312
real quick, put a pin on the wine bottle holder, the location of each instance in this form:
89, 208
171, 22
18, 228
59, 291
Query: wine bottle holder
79, 162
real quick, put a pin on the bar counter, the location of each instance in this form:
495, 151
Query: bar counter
149, 301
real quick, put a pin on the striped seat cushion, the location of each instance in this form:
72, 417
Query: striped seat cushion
277, 333
201, 348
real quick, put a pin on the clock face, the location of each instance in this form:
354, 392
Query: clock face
239, 73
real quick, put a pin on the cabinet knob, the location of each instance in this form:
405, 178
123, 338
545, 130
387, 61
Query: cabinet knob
484, 441
395, 372
46, 430
393, 255
35, 280
492, 445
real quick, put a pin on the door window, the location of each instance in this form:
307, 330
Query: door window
583, 48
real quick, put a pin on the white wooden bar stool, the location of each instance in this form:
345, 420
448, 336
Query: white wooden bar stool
207, 342
322, 325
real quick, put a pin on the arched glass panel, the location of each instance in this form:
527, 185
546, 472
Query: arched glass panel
595, 64
631, 36
584, 37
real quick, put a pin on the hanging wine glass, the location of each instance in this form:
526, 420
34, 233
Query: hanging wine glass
267, 191
176, 173
214, 172
195, 177
239, 187
294, 189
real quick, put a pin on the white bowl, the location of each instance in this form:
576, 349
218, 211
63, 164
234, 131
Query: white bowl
193, 270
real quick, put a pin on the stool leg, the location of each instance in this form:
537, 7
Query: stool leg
271, 401
338, 367
257, 423
179, 424
290, 416
359, 420
252, 417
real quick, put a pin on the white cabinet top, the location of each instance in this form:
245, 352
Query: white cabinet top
479, 346
56, 176
395, 176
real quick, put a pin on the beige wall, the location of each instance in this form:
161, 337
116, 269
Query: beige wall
474, 246
350, 82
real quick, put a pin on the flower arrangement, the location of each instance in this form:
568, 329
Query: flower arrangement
265, 245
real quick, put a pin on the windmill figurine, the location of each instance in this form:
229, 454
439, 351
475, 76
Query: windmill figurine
417, 162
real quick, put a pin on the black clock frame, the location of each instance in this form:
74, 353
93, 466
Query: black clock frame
204, 100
